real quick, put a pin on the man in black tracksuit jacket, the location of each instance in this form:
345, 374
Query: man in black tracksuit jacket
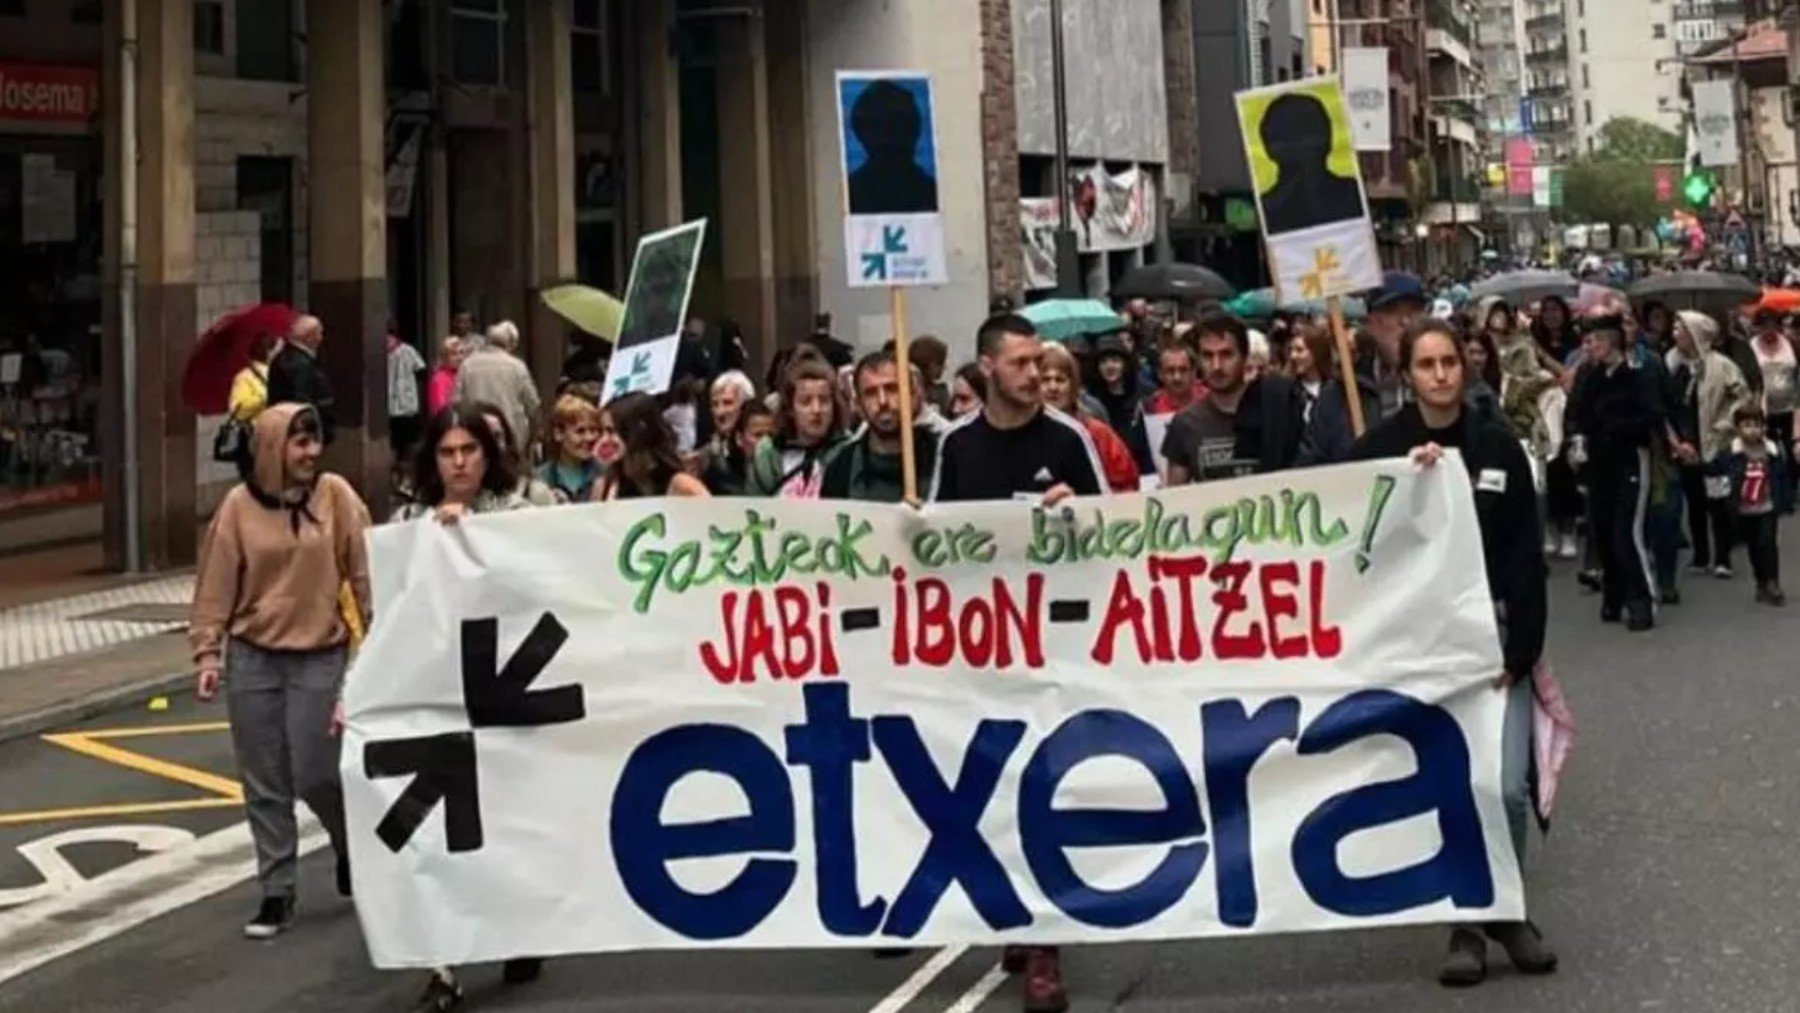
1615, 412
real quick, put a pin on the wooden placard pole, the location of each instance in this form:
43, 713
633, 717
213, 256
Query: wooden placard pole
1346, 353
903, 363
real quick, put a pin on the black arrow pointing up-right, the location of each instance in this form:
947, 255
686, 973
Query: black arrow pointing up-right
443, 769
506, 699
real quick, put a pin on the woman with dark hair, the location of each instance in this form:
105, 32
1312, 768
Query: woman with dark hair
1485, 380
809, 426
968, 391
535, 490
268, 626
639, 451
1554, 331
462, 467
1435, 366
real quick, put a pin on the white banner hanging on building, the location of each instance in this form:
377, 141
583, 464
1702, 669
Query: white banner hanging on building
1038, 218
1715, 123
1365, 73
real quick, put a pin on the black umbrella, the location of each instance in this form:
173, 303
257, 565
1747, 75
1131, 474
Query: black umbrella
1715, 292
1520, 287
1173, 281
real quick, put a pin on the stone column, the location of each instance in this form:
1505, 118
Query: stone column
791, 181
346, 117
1000, 151
550, 127
658, 120
150, 279
744, 231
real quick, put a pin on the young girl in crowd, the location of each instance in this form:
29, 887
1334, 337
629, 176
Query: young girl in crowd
639, 450
809, 425
571, 468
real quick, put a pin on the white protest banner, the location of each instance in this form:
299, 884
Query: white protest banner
893, 218
1255, 706
1309, 192
1038, 219
656, 300
1365, 72
1715, 122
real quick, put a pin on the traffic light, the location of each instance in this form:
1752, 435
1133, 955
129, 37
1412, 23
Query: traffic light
1697, 187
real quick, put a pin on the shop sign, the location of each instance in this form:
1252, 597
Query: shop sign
47, 93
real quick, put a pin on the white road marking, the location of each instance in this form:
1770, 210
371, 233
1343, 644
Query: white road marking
124, 898
897, 999
977, 994
59, 875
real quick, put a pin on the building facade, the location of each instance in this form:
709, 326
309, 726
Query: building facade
384, 163
1454, 127
1621, 63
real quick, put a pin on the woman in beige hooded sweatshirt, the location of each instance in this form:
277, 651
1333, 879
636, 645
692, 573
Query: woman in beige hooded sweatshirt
267, 626
1709, 388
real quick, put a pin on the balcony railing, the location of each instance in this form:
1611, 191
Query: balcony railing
1705, 11
1548, 89
1448, 18
1544, 22
1558, 53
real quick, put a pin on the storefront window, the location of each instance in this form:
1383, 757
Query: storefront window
49, 322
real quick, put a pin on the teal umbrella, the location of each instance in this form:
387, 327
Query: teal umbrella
1259, 304
1063, 319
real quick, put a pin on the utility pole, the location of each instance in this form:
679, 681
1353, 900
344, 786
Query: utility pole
1068, 259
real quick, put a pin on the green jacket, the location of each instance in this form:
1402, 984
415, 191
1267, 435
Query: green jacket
767, 475
852, 473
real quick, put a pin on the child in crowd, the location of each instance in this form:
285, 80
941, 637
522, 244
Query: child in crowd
570, 469
1759, 493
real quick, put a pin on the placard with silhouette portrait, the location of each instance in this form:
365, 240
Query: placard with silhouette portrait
1309, 192
893, 226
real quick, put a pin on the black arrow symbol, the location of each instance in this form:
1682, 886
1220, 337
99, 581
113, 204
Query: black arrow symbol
506, 699
442, 769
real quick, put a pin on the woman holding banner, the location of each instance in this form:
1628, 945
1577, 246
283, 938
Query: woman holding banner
462, 467
1433, 361
809, 425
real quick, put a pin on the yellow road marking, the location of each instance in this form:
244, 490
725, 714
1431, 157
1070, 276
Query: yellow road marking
86, 744
135, 733
125, 809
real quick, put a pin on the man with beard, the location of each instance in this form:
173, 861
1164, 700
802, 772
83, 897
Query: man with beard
869, 468
1015, 447
1242, 426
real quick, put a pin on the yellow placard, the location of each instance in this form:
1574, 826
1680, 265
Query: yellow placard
1302, 155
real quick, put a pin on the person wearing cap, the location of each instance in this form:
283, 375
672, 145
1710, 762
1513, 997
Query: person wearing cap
1394, 307
1614, 418
1119, 390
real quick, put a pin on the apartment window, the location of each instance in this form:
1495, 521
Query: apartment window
1587, 112
1659, 31
587, 46
478, 41
1584, 40
1586, 81
209, 27
265, 40
1581, 8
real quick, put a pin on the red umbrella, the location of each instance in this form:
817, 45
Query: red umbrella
224, 349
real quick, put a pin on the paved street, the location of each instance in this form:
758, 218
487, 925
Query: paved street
1669, 881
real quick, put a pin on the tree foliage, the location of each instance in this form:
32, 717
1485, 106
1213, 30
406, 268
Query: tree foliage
1617, 184
1610, 190
1630, 139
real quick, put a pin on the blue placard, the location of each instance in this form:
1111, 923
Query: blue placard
890, 157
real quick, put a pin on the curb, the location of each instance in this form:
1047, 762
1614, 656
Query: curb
81, 708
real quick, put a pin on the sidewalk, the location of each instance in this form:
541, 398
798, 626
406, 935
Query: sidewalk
71, 657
